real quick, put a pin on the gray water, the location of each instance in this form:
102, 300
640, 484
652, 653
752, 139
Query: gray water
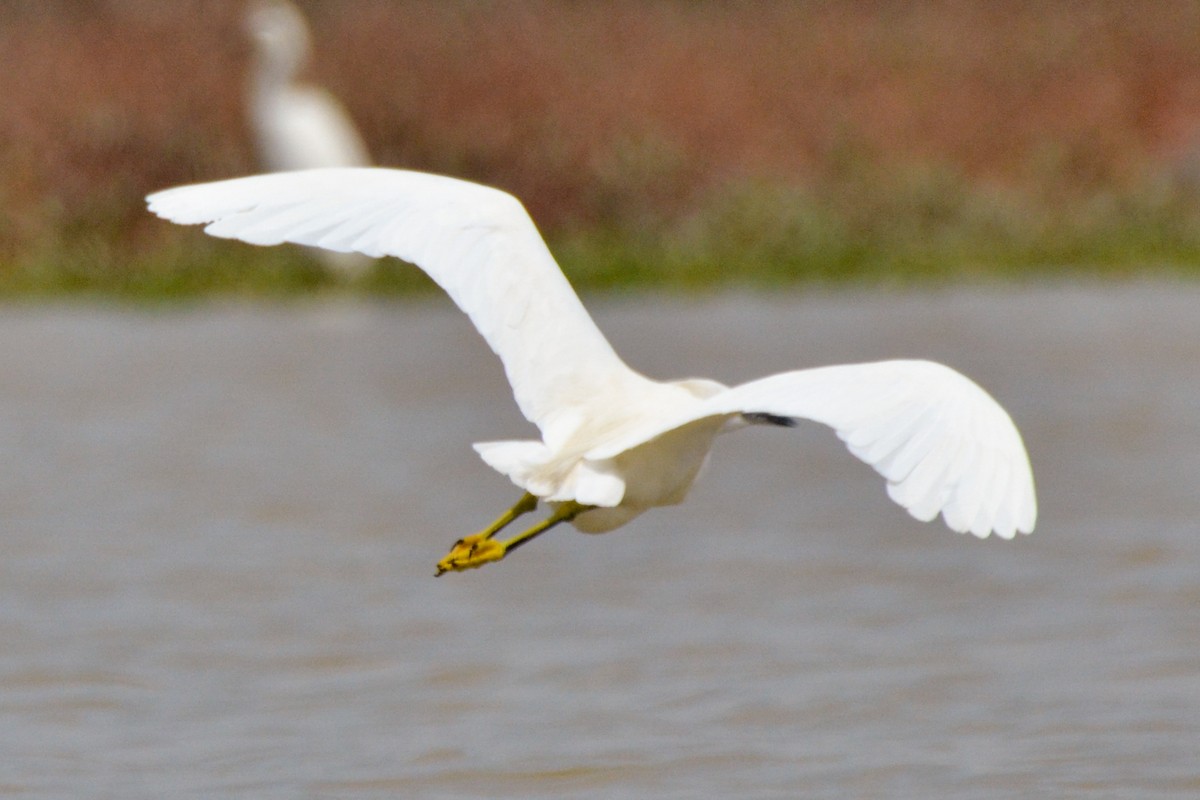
220, 526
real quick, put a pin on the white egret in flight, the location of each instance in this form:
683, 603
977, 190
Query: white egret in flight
615, 443
297, 125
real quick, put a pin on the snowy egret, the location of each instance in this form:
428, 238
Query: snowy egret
615, 443
295, 125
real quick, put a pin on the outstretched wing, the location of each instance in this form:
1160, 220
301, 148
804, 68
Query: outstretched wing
477, 243
943, 444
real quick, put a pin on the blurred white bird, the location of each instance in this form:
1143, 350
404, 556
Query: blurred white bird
297, 126
613, 442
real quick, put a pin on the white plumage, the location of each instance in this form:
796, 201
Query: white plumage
296, 125
614, 442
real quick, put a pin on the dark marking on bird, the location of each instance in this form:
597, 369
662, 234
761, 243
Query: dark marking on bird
763, 418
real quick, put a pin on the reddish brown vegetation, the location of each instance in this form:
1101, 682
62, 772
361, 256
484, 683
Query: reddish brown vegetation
597, 111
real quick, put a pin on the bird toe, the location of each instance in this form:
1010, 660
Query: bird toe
471, 552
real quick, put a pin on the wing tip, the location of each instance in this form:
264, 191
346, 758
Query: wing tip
982, 529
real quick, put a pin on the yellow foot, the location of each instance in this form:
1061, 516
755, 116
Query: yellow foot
470, 552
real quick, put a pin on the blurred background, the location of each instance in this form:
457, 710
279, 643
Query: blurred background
219, 518
686, 144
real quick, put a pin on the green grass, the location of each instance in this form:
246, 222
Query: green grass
920, 226
761, 236
187, 265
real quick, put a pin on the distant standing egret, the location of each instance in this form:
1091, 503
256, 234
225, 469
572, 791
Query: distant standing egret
295, 125
615, 443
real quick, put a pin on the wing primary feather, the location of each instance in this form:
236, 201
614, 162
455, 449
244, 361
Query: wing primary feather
931, 432
476, 242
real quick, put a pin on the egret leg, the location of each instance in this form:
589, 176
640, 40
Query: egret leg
477, 550
468, 545
527, 503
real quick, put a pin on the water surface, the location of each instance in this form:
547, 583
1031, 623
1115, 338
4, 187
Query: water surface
220, 526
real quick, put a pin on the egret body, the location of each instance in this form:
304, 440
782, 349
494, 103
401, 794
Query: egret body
613, 442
